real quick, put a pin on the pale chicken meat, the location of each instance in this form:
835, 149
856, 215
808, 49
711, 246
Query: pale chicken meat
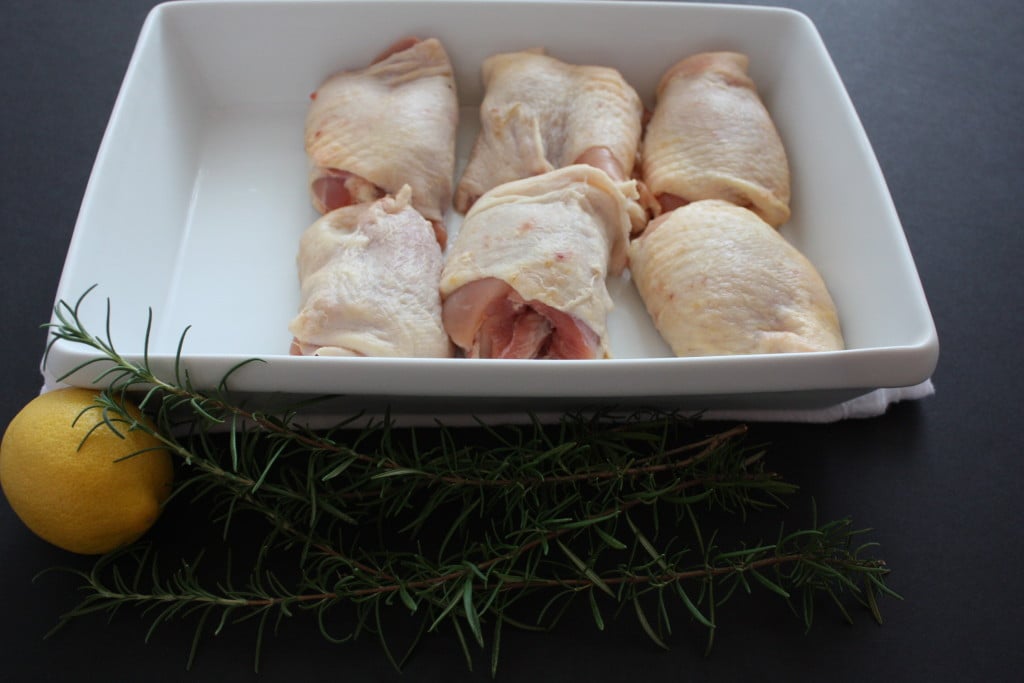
526, 275
711, 137
540, 114
718, 280
368, 276
370, 131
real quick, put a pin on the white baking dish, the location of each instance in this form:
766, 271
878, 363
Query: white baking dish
198, 197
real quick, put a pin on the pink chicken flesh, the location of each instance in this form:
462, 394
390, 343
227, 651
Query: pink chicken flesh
491, 320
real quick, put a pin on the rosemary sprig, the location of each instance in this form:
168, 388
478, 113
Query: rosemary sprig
459, 528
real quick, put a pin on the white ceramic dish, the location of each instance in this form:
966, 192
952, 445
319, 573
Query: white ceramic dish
198, 197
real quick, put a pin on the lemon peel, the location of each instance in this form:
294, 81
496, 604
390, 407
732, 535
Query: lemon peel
74, 481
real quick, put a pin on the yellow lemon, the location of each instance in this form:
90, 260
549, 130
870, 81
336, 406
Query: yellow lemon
83, 496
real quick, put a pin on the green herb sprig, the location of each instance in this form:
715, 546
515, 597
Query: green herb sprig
474, 529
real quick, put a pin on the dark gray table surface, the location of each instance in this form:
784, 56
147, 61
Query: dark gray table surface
938, 86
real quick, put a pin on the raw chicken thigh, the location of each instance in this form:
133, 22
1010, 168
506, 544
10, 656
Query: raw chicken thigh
540, 114
525, 276
718, 280
371, 131
369, 283
710, 137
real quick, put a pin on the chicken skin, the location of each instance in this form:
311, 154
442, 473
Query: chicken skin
718, 280
369, 277
371, 131
711, 137
540, 114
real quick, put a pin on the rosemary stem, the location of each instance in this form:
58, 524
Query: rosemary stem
705, 572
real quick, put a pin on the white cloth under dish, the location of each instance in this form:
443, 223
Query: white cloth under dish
871, 404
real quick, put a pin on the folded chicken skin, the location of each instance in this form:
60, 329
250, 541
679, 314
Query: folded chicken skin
711, 137
718, 280
540, 114
371, 131
526, 275
369, 278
